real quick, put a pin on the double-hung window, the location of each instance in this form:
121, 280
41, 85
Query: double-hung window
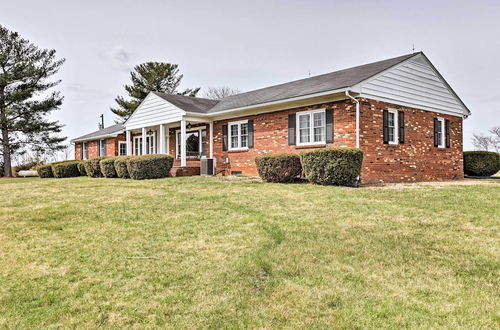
138, 145
392, 126
311, 127
122, 148
440, 132
102, 148
238, 135
85, 148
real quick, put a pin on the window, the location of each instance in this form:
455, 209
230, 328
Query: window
138, 145
440, 132
392, 126
311, 127
238, 135
122, 148
150, 144
102, 148
195, 146
85, 148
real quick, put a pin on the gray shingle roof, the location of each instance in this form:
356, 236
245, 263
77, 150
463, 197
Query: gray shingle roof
322, 83
105, 132
317, 84
189, 103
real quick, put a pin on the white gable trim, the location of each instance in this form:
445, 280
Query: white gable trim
415, 83
153, 111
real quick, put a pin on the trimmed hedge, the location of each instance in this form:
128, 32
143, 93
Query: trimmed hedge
108, 167
93, 168
481, 163
81, 168
67, 169
121, 167
279, 168
149, 166
332, 166
45, 171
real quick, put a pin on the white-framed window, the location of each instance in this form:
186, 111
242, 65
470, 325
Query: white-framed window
238, 135
85, 148
311, 127
196, 142
138, 145
440, 132
102, 148
392, 126
122, 148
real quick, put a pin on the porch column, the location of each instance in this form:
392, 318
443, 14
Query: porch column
211, 139
129, 143
162, 139
183, 142
144, 141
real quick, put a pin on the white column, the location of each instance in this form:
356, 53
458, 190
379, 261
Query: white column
162, 139
167, 137
211, 139
144, 150
183, 143
129, 143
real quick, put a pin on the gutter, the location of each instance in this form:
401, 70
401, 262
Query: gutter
357, 116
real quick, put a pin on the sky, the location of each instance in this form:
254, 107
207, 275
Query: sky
254, 44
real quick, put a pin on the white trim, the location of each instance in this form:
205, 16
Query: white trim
136, 146
120, 143
311, 127
396, 126
211, 139
442, 142
229, 140
128, 139
99, 137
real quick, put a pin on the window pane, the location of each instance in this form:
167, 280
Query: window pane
319, 124
234, 141
391, 127
319, 134
244, 135
304, 121
319, 119
391, 119
234, 130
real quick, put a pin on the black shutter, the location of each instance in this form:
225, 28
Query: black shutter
250, 133
401, 121
386, 126
447, 130
81, 150
436, 130
291, 129
329, 125
224, 137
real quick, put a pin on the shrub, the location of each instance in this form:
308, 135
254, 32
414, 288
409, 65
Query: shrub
149, 166
81, 168
481, 163
28, 166
332, 166
65, 169
45, 171
93, 168
279, 168
108, 167
121, 167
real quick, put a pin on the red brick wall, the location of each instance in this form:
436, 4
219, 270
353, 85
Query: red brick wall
271, 136
93, 147
415, 160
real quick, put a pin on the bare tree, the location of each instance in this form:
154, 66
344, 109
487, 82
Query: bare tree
482, 142
495, 131
218, 93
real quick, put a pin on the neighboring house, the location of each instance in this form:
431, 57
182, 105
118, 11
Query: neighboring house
109, 141
400, 112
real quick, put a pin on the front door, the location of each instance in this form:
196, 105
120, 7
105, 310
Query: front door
195, 143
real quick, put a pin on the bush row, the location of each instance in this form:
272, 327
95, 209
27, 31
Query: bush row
325, 166
134, 167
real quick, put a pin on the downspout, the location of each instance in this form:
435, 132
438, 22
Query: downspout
357, 116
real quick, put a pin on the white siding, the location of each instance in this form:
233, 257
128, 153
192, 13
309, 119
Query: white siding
416, 84
153, 111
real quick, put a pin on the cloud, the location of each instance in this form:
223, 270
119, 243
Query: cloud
120, 59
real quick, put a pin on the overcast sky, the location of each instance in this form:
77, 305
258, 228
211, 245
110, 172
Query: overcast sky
254, 44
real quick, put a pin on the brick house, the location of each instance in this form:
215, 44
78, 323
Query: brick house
400, 112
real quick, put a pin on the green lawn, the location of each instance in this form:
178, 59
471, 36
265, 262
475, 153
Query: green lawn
213, 253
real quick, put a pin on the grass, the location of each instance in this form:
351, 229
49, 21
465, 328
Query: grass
212, 253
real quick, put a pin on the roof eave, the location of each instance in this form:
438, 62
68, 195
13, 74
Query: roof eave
99, 137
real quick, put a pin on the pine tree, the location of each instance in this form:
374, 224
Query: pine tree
150, 77
25, 101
